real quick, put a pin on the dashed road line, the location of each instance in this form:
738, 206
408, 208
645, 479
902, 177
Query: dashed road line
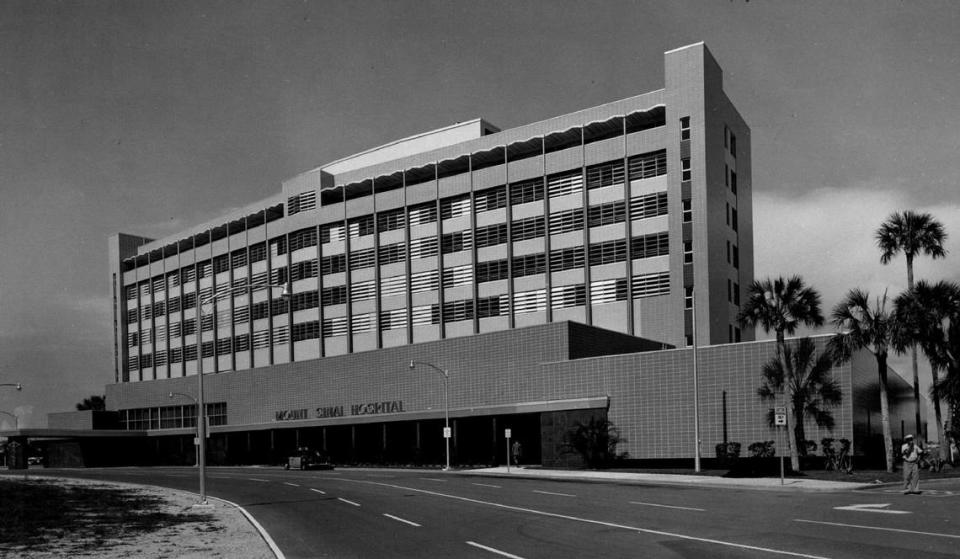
434, 479
404, 520
666, 506
552, 493
588, 520
492, 550
290, 484
487, 485
260, 480
318, 491
899, 530
348, 502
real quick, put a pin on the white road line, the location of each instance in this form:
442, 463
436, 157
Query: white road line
900, 530
666, 506
290, 484
348, 502
492, 550
434, 479
255, 479
318, 491
552, 493
398, 519
263, 533
587, 520
486, 485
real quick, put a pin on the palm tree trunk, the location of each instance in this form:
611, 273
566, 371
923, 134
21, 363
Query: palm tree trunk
944, 446
885, 411
913, 355
791, 443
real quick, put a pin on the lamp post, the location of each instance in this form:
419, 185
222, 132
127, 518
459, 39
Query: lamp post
201, 408
446, 404
196, 444
696, 387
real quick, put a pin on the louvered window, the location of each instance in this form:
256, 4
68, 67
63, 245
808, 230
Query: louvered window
187, 275
391, 220
491, 235
608, 252
159, 285
241, 342
361, 259
332, 232
261, 339
423, 281
426, 213
455, 311
221, 264
132, 315
529, 264
303, 270
496, 305
333, 264
455, 242
566, 221
176, 355
334, 295
225, 346
361, 227
454, 207
390, 254
608, 291
305, 300
647, 165
302, 202
423, 248
131, 292
650, 205
258, 252
189, 326
145, 289
281, 335
303, 238
566, 183
278, 276
393, 319
306, 331
427, 314
566, 296
605, 174
529, 228
530, 301
278, 246
395, 285
648, 246
606, 214
526, 191
362, 290
491, 199
492, 271
460, 275
651, 285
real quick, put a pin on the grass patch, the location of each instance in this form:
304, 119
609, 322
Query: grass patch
42, 515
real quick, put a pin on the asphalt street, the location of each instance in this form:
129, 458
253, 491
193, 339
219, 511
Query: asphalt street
349, 513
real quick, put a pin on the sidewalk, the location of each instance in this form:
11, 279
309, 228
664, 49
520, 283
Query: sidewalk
768, 483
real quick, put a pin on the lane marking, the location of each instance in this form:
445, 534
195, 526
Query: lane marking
290, 484
487, 485
666, 506
262, 480
587, 520
348, 502
434, 479
900, 530
318, 491
398, 519
873, 507
492, 550
552, 493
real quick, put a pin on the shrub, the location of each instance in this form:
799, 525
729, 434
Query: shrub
727, 453
762, 449
595, 441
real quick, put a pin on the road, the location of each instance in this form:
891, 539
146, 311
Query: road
350, 513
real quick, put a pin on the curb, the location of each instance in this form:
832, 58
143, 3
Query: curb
260, 529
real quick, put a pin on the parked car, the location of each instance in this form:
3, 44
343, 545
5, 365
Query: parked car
307, 459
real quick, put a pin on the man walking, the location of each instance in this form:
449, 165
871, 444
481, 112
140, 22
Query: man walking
910, 452
515, 450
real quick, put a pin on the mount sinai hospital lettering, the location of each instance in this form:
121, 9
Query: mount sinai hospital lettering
370, 408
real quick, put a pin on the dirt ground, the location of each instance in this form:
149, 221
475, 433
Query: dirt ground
59, 517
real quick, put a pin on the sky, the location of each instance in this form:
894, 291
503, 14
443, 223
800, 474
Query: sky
148, 117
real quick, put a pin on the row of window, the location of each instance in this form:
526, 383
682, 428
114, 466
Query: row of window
171, 417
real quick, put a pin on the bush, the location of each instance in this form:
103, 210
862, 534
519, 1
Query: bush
763, 449
727, 453
595, 441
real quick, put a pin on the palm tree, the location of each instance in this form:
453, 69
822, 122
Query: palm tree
871, 327
929, 312
803, 377
912, 234
781, 305
96, 403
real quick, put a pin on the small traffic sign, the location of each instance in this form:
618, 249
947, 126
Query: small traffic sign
447, 433
782, 410
780, 419
506, 433
196, 441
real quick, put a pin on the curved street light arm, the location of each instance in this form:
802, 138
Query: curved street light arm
16, 384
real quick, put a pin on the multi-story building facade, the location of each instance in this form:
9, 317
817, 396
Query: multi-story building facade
616, 216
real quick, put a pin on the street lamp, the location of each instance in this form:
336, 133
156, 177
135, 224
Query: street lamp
696, 386
196, 445
16, 384
201, 408
446, 405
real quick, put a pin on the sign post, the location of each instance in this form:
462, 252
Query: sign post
780, 420
506, 433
